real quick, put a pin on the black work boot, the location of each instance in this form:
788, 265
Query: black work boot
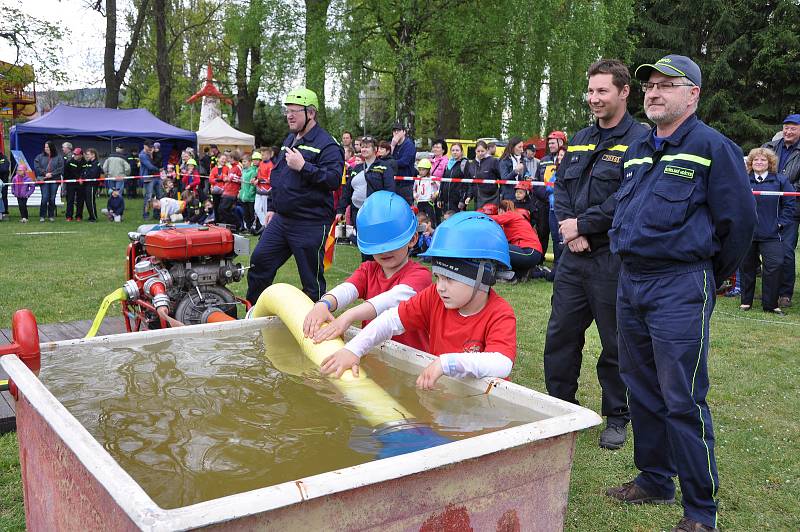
613, 436
632, 493
690, 525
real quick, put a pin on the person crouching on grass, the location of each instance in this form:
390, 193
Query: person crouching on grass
171, 210
387, 230
471, 330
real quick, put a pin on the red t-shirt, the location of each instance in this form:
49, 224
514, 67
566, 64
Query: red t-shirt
370, 281
262, 179
217, 175
493, 329
232, 182
518, 230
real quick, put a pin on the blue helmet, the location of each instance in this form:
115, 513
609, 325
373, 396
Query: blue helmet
470, 235
384, 223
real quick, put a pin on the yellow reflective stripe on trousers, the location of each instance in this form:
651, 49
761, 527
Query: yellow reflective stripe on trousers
694, 376
582, 147
643, 160
308, 148
687, 157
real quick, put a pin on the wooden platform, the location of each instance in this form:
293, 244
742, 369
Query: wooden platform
50, 332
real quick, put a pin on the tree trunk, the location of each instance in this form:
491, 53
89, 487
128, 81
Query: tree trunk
247, 90
163, 67
448, 115
406, 88
115, 78
316, 40
112, 87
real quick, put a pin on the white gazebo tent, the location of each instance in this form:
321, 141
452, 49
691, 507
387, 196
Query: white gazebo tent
219, 132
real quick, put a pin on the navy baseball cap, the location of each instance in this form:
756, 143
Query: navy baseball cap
792, 119
675, 66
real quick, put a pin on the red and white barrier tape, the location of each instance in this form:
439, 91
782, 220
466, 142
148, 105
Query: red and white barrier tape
99, 179
479, 181
541, 184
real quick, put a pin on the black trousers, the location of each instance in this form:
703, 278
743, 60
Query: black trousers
430, 209
225, 211
281, 239
75, 200
585, 290
90, 196
771, 254
540, 219
249, 214
4, 193
23, 207
216, 199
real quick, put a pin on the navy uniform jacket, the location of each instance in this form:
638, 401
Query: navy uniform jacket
589, 176
774, 212
307, 195
688, 202
73, 169
380, 176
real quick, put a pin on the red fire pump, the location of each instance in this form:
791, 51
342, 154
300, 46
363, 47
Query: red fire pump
178, 274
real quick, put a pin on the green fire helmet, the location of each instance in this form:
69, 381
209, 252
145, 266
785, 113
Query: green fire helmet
302, 96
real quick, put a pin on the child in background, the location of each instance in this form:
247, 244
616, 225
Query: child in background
216, 180
231, 184
424, 234
206, 214
387, 231
263, 186
22, 187
523, 201
170, 191
191, 177
247, 193
192, 205
425, 191
115, 206
471, 330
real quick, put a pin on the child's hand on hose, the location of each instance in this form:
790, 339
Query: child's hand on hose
319, 314
334, 329
339, 362
427, 379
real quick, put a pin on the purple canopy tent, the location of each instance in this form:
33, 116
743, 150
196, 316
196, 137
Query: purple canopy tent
99, 128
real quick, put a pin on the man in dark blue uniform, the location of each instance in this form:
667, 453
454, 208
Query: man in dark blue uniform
684, 220
307, 170
585, 287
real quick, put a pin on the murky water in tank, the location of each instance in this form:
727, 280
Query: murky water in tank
194, 419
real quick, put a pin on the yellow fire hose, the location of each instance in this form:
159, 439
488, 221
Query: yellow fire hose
291, 305
117, 295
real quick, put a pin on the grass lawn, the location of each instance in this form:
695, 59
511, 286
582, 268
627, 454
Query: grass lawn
753, 365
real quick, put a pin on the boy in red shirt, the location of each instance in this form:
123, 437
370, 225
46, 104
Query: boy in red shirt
472, 331
387, 230
263, 186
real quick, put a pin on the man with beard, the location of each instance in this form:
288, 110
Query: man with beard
307, 170
684, 220
585, 285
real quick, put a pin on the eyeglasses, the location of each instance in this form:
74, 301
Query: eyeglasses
663, 85
287, 112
